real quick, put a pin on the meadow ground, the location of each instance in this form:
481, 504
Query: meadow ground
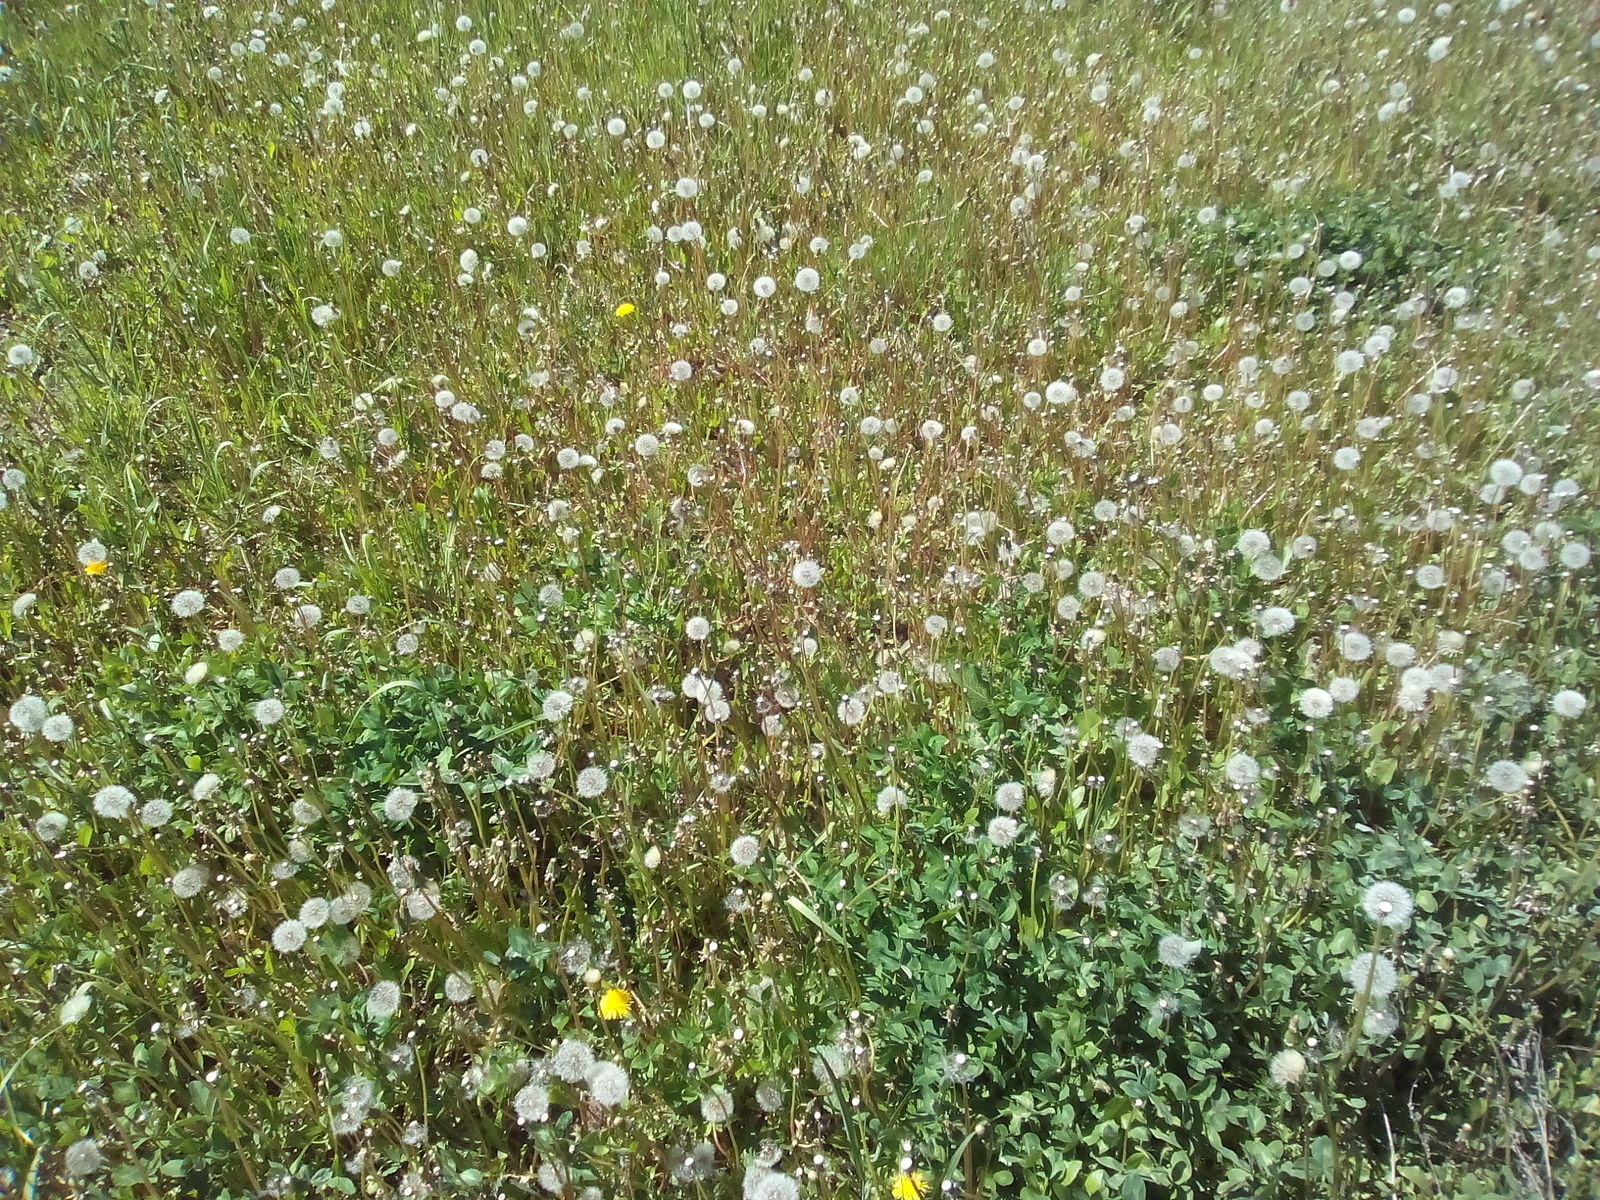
799, 600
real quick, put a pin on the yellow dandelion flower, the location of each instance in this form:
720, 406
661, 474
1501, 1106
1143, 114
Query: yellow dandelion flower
626, 309
615, 1004
909, 1185
97, 567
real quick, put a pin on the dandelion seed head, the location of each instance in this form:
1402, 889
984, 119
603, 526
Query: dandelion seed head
83, 1158
383, 1000
113, 802
1002, 831
1287, 1068
1568, 703
399, 804
289, 936
1178, 952
29, 713
268, 712
608, 1084
1388, 904
1373, 973
1506, 777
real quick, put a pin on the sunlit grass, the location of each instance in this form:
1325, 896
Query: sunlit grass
798, 601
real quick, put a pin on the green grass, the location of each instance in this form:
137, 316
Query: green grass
886, 987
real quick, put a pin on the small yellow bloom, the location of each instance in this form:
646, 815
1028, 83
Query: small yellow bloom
97, 567
615, 1004
625, 309
909, 1185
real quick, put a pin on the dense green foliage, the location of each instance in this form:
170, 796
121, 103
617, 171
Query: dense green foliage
990, 601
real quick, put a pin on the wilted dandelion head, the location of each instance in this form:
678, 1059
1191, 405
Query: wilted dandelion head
1379, 1022
769, 1095
76, 1006
830, 1063
694, 1164
1164, 1006
1177, 951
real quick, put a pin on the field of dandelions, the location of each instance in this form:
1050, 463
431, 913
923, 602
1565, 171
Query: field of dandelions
823, 601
